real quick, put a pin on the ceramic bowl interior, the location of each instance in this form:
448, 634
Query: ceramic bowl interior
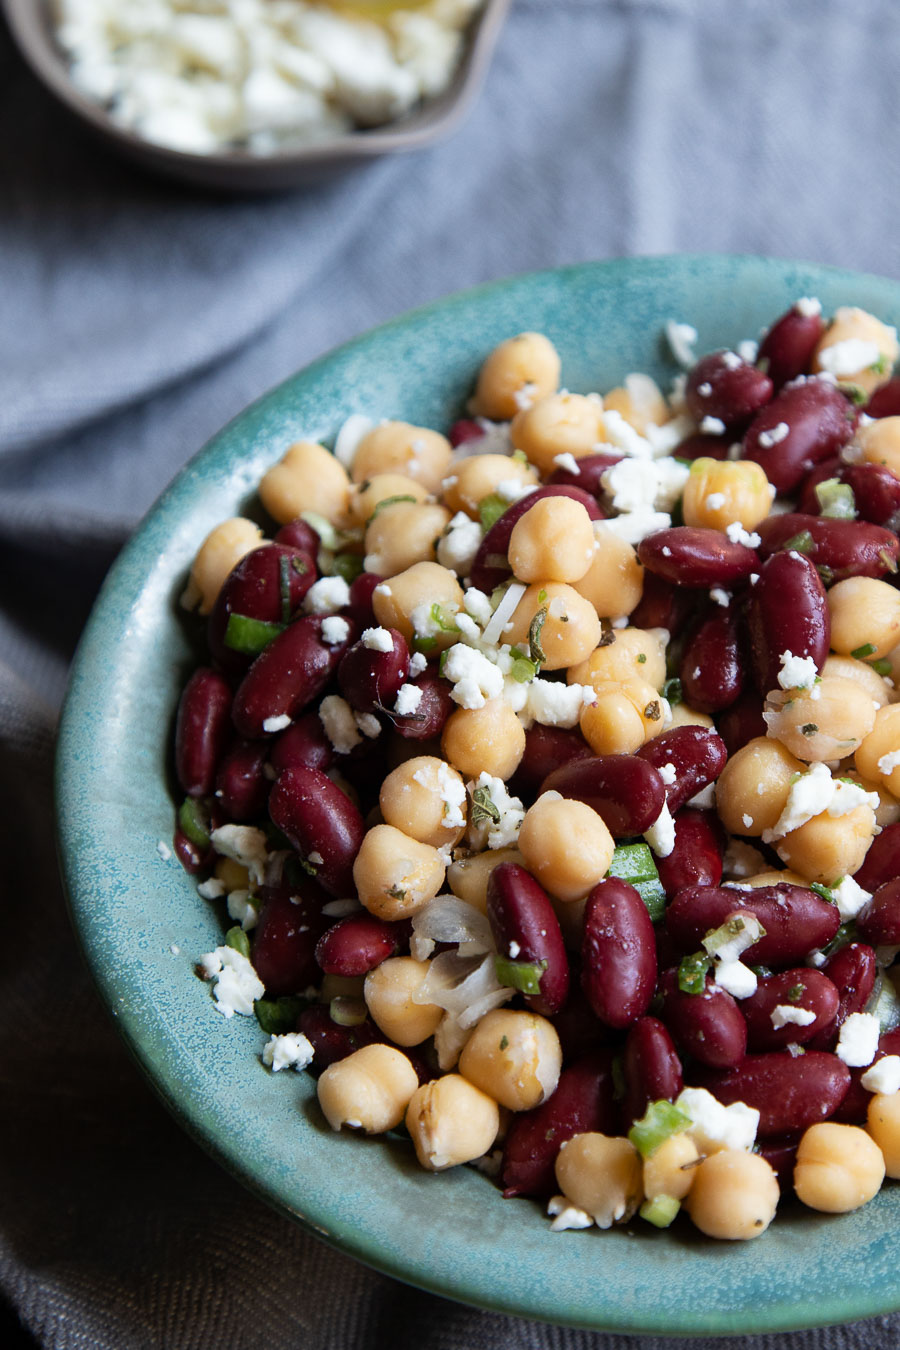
143, 925
31, 25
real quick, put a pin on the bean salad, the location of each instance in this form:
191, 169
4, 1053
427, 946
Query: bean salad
546, 773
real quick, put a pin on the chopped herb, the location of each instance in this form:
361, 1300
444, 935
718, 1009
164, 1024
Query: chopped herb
692, 973
308, 867
522, 975
860, 653
855, 393
490, 509
607, 634
347, 565
879, 367
238, 940
826, 574
276, 1016
799, 543
836, 499
483, 808
396, 893
250, 636
796, 992
659, 1122
809, 729
641, 658
519, 457
542, 596
672, 691
329, 536
390, 501
194, 821
882, 666
660, 1211
536, 651
504, 1042
823, 891
653, 712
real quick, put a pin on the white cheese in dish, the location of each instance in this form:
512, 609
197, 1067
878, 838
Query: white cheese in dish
236, 983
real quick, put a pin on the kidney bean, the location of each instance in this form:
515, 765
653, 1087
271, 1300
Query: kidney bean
435, 707
299, 534
696, 859
650, 1066
708, 1026
787, 611
808, 990
591, 469
703, 446
781, 1154
796, 920
302, 745
526, 929
885, 400
787, 348
371, 679
546, 749
267, 584
626, 791
689, 555
807, 501
491, 567
463, 430
742, 721
618, 953
201, 730
724, 386
789, 1092
845, 548
712, 666
879, 922
286, 676
852, 972
241, 783
820, 420
283, 943
582, 1103
662, 605
329, 1040
876, 491
882, 862
698, 754
579, 1029
193, 859
359, 943
359, 607
318, 818
854, 1107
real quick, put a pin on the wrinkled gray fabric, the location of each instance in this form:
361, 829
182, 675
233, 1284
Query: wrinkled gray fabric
135, 318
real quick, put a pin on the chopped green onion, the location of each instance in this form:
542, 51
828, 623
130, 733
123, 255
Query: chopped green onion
194, 821
536, 651
846, 934
672, 691
880, 366
444, 617
250, 636
860, 653
238, 940
490, 509
823, 891
641, 657
836, 499
396, 892
347, 1012
423, 644
276, 1016
634, 863
660, 1211
795, 993
519, 457
882, 666
732, 928
328, 535
659, 1122
390, 501
799, 543
347, 565
692, 973
523, 668
483, 808
855, 393
522, 975
542, 596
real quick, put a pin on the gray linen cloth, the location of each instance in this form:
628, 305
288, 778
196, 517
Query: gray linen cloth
136, 317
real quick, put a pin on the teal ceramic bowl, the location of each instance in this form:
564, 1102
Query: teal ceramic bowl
143, 926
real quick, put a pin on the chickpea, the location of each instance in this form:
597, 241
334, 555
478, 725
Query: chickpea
879, 443
623, 718
571, 628
838, 1167
846, 668
775, 877
887, 812
627, 654
670, 1168
403, 534
874, 757
601, 1175
365, 497
450, 1122
394, 874
826, 722
527, 365
614, 582
865, 613
752, 790
566, 845
449, 1040
558, 424
426, 798
893, 659
570, 915
221, 550
515, 1057
369, 1090
827, 848
851, 324
390, 993
468, 877
484, 740
479, 476
640, 402
685, 716
884, 1127
233, 875
399, 447
733, 1195
306, 478
553, 541
413, 592
718, 492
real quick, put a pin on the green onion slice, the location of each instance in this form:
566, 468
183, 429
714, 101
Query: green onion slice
660, 1211
276, 1016
250, 636
390, 501
523, 668
836, 499
672, 691
634, 863
444, 617
522, 975
692, 973
860, 653
347, 565
238, 940
194, 821
490, 509
659, 1122
799, 543
882, 666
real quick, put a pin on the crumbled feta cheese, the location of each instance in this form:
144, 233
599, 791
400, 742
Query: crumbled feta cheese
809, 307
459, 544
748, 351
566, 1215
720, 597
736, 979
336, 909
568, 463
478, 605
643, 485
797, 672
668, 773
858, 1040
848, 357
505, 831
212, 889
553, 704
326, 595
236, 984
383, 589
408, 699
243, 908
418, 663
377, 640
712, 426
715, 501
475, 679
244, 844
274, 724
850, 898
889, 762
337, 718
468, 628
714, 1126
163, 850
661, 834
883, 1076
814, 792
368, 724
705, 799
775, 436
291, 1051
511, 489
785, 1014
634, 526
682, 338
738, 535
704, 389
747, 821
453, 794
742, 860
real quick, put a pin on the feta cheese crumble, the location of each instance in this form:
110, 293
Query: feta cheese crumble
236, 985
738, 535
814, 792
786, 1014
377, 640
797, 672
275, 724
244, 844
335, 630
505, 830
883, 1076
566, 1215
459, 544
475, 679
290, 1051
326, 595
714, 1126
409, 696
337, 718
889, 762
858, 1040
661, 834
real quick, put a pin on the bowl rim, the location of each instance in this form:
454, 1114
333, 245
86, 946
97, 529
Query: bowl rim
430, 120
832, 1305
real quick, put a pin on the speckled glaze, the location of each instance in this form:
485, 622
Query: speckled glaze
143, 926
